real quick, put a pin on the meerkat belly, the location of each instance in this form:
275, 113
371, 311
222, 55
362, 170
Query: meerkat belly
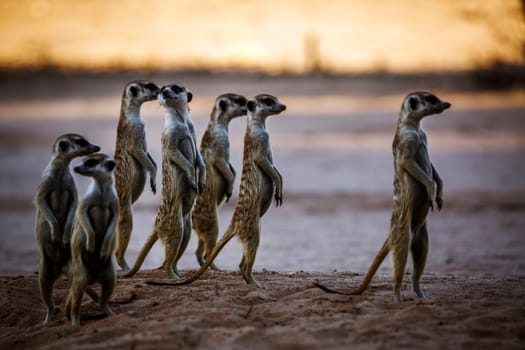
219, 185
266, 189
419, 194
60, 202
138, 179
100, 217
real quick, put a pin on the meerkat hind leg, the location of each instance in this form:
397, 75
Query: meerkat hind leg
108, 285
186, 235
171, 250
46, 279
199, 252
248, 259
124, 227
209, 243
400, 242
75, 299
419, 250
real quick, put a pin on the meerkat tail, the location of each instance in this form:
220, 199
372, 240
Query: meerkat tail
381, 255
153, 237
228, 235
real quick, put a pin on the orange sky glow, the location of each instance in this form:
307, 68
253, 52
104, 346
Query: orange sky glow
294, 36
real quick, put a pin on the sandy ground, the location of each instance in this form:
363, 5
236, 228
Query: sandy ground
333, 148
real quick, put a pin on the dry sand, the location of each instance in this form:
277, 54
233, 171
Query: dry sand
333, 147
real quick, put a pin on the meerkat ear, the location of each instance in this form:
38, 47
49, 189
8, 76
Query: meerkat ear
63, 145
223, 105
133, 90
413, 102
251, 105
190, 96
110, 165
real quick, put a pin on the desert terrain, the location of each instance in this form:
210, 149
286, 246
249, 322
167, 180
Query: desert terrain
333, 147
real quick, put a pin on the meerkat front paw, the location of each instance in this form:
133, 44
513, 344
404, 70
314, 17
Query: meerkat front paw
153, 185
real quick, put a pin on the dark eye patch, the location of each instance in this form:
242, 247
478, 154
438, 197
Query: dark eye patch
268, 101
82, 143
91, 162
152, 87
241, 101
176, 88
432, 99
414, 102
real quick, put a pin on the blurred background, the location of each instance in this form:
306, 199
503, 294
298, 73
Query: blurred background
341, 67
292, 36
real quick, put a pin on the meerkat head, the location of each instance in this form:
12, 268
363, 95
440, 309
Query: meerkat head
174, 96
264, 105
139, 91
420, 104
73, 145
230, 106
98, 166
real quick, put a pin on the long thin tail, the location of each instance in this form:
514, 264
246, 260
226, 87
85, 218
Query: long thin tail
228, 235
383, 252
143, 253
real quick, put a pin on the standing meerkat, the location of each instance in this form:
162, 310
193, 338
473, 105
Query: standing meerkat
260, 181
183, 176
132, 159
416, 185
93, 241
220, 174
56, 202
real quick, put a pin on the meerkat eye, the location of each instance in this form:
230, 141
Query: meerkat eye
63, 145
414, 102
223, 105
151, 86
82, 143
241, 101
251, 105
176, 88
90, 163
432, 99
268, 101
134, 90
110, 165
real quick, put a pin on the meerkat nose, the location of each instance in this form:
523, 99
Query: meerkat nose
446, 105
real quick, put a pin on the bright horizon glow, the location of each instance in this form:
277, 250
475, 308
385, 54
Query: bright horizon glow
289, 36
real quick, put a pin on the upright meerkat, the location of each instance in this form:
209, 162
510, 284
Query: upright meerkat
220, 174
93, 241
416, 185
183, 176
56, 202
260, 181
132, 159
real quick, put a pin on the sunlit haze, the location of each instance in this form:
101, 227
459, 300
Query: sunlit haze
287, 36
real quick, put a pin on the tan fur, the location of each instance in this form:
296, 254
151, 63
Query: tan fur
56, 202
183, 175
416, 185
93, 242
260, 181
132, 158
220, 174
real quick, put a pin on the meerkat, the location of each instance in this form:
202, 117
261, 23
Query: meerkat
133, 161
417, 184
260, 181
93, 240
183, 176
220, 174
56, 202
